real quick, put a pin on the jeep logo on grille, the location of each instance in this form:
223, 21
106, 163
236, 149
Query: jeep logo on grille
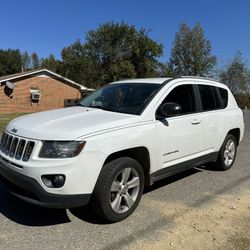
14, 130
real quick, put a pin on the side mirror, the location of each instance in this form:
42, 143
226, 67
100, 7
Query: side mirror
170, 109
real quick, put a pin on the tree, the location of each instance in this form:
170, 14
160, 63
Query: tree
191, 53
10, 61
51, 63
113, 51
75, 64
236, 75
25, 61
35, 62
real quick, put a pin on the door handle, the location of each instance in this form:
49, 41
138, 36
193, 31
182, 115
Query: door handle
196, 121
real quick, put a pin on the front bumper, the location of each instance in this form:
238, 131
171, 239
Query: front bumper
29, 190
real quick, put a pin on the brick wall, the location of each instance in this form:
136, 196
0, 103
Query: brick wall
53, 95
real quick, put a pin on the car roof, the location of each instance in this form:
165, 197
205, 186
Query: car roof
144, 80
162, 80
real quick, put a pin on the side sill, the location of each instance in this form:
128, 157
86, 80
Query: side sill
180, 167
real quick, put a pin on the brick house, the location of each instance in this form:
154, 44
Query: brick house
37, 90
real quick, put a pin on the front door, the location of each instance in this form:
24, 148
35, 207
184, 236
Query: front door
180, 137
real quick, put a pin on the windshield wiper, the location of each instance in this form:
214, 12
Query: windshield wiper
95, 107
79, 104
100, 107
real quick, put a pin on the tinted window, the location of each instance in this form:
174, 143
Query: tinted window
224, 97
209, 97
130, 98
184, 96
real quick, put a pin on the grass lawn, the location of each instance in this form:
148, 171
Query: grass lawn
5, 118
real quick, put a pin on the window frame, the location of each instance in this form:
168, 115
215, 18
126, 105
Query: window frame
216, 96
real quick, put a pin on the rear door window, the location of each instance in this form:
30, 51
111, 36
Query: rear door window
209, 97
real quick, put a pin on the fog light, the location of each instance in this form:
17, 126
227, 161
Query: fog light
53, 181
58, 181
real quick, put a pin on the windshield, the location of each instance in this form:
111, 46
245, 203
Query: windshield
130, 98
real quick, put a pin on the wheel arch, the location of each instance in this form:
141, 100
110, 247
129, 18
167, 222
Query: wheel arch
236, 133
140, 154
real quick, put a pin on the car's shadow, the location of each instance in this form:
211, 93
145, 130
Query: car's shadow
26, 214
166, 181
87, 214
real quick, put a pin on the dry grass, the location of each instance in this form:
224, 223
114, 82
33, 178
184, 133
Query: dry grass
5, 118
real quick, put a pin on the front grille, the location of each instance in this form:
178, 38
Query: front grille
16, 147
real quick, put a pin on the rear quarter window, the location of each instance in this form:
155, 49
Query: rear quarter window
224, 97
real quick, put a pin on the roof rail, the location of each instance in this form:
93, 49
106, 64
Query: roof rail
200, 77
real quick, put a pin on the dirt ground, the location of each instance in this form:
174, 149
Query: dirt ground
223, 224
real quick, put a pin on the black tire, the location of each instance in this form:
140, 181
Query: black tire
220, 163
103, 199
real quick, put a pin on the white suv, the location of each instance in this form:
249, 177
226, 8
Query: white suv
123, 136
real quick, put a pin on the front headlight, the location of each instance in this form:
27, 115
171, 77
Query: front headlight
61, 149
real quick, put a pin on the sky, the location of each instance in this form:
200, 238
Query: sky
48, 26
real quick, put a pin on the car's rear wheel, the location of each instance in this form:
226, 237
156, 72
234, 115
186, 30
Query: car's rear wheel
118, 189
227, 153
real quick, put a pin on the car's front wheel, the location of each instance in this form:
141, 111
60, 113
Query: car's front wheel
118, 189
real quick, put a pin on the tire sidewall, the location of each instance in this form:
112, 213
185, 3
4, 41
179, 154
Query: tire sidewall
221, 157
115, 167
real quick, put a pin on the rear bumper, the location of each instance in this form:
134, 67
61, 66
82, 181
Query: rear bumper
29, 190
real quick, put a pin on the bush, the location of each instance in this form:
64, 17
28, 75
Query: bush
243, 100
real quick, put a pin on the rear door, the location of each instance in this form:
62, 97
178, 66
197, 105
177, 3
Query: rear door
211, 115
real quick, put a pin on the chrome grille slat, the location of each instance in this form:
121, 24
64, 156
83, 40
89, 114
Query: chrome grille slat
13, 147
5, 141
8, 144
20, 149
28, 150
2, 140
16, 147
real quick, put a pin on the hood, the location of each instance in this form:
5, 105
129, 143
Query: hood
69, 123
